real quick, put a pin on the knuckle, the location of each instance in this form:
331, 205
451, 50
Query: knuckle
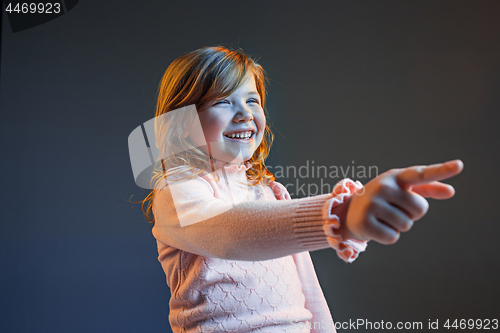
421, 208
406, 225
421, 174
371, 228
383, 187
391, 238
381, 233
426, 206
373, 206
370, 225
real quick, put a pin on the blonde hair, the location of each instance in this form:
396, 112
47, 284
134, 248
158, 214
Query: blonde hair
198, 78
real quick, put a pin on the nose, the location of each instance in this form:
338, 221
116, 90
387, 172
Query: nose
243, 115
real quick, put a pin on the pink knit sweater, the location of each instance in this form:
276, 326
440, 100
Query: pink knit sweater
236, 256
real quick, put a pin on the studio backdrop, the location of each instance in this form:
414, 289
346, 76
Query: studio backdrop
356, 88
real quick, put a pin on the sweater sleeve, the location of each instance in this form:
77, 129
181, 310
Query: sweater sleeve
250, 230
347, 249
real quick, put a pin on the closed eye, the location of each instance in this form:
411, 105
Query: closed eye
225, 101
220, 102
253, 100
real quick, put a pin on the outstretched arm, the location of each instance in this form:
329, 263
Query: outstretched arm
390, 203
252, 230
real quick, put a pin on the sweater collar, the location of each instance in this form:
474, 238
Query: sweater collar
230, 166
232, 170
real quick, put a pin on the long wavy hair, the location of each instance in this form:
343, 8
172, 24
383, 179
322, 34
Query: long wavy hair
199, 78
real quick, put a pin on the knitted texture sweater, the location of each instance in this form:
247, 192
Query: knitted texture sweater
236, 256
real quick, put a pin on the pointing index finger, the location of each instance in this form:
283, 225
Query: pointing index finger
419, 175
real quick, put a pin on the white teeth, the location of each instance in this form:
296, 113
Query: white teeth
240, 135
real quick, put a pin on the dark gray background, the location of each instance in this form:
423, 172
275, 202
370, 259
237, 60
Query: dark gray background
384, 83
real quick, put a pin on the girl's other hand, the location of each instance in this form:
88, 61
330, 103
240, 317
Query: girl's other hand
390, 203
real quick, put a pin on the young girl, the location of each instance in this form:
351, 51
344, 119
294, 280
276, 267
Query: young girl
233, 245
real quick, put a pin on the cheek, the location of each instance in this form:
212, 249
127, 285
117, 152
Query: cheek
261, 124
213, 130
212, 125
260, 121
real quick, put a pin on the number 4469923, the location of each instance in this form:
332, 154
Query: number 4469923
485, 324
31, 7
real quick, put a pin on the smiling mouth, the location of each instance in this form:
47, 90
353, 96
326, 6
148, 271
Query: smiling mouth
240, 136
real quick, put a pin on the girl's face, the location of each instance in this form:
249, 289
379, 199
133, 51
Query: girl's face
232, 127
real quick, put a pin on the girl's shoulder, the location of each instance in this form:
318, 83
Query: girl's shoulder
182, 175
280, 191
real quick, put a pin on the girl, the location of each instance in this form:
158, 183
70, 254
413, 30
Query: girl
233, 245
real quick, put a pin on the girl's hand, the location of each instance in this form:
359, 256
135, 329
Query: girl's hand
390, 203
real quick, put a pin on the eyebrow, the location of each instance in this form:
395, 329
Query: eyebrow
253, 93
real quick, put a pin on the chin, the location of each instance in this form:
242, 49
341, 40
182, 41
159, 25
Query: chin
247, 155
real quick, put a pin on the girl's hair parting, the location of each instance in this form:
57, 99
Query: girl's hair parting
199, 78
